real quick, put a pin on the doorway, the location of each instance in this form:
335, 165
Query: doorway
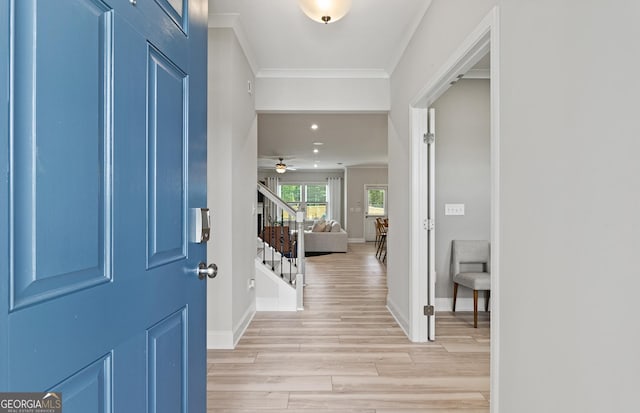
484, 39
375, 204
462, 193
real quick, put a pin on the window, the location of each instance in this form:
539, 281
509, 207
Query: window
376, 202
316, 201
313, 195
292, 195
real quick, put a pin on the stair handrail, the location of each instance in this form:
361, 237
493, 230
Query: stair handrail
273, 197
300, 218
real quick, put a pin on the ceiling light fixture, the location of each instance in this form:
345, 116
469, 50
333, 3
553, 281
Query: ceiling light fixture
314, 127
281, 167
316, 150
318, 143
325, 11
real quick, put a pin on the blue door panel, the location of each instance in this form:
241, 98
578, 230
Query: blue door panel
156, 25
88, 390
177, 10
4, 190
167, 174
166, 347
60, 215
81, 308
130, 361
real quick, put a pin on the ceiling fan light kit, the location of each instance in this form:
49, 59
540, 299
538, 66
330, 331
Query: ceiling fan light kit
325, 11
281, 167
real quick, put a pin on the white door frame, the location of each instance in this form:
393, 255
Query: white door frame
484, 38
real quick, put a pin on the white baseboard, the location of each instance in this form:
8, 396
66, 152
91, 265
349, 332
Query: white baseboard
462, 304
356, 241
241, 327
402, 321
220, 340
227, 339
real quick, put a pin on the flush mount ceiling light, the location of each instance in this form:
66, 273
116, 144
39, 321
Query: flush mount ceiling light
281, 167
325, 11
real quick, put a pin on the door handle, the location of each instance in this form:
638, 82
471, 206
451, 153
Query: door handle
211, 271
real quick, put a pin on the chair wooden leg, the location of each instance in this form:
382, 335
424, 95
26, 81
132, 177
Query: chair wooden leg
381, 246
475, 308
455, 295
487, 295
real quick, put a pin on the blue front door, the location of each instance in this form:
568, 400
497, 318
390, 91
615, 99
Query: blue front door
102, 156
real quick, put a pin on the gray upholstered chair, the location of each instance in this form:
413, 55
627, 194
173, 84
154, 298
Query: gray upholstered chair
471, 252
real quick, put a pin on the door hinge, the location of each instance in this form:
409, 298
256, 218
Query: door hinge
429, 224
429, 138
429, 310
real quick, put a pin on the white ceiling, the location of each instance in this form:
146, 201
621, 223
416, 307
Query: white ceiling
349, 139
280, 40
278, 36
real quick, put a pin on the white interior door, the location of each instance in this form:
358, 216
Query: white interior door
431, 213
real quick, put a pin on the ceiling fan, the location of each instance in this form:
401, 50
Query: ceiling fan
281, 167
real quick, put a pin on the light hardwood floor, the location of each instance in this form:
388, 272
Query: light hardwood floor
346, 354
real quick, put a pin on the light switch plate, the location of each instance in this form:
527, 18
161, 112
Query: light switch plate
454, 209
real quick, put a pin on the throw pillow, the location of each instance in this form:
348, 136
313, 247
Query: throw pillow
335, 227
327, 228
319, 226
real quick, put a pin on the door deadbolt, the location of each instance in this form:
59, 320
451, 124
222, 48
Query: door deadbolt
211, 271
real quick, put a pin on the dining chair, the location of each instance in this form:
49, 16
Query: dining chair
471, 252
382, 243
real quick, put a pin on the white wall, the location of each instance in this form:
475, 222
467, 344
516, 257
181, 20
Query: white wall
463, 169
357, 178
570, 205
569, 179
322, 94
398, 233
444, 27
231, 179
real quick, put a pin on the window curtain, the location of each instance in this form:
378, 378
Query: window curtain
271, 209
334, 186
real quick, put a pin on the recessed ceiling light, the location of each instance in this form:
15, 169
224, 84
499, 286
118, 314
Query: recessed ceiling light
314, 127
316, 150
315, 165
318, 143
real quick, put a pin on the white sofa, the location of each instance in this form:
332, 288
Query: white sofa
325, 241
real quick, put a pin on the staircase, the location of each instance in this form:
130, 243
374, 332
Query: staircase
279, 254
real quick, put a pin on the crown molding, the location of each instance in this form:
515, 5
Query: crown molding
232, 21
322, 74
369, 166
408, 35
